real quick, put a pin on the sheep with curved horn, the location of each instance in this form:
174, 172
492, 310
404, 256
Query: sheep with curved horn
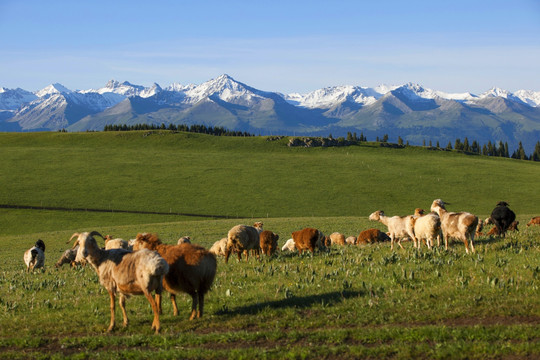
124, 272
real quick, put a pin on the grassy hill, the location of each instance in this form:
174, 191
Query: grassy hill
240, 177
342, 302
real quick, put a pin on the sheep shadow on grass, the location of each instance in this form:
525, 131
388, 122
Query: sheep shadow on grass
298, 302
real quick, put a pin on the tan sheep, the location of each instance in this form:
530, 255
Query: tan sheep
337, 238
117, 243
461, 225
243, 238
351, 240
219, 247
125, 273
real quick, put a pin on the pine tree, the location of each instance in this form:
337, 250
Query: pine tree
449, 146
399, 140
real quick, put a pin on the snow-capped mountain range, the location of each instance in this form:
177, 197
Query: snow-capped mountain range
410, 110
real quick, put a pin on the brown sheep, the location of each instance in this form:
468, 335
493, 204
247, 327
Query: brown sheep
242, 238
192, 269
308, 239
370, 236
268, 242
534, 221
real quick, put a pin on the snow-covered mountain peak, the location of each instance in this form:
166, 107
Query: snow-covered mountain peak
496, 92
55, 88
147, 92
224, 87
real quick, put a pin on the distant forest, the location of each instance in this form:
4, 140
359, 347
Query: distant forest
465, 146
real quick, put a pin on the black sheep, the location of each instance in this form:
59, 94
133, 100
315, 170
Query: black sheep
502, 217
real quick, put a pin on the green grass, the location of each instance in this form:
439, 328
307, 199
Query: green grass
348, 302
244, 177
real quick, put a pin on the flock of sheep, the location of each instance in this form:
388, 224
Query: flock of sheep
145, 265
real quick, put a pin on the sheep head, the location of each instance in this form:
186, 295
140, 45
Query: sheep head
376, 216
85, 241
40, 244
438, 204
419, 212
258, 225
502, 203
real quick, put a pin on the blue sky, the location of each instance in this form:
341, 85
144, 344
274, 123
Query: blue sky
285, 46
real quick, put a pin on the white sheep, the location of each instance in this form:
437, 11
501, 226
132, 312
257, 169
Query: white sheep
461, 225
125, 273
117, 243
219, 247
398, 226
351, 240
34, 257
425, 227
289, 245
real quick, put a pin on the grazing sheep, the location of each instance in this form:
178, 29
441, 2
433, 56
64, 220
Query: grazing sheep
534, 221
337, 238
34, 257
397, 226
370, 236
502, 217
68, 257
289, 245
219, 247
426, 228
184, 240
242, 238
268, 242
308, 239
118, 243
192, 270
125, 273
351, 240
513, 227
461, 225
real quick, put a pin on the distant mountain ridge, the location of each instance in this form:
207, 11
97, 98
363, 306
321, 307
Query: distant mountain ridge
411, 111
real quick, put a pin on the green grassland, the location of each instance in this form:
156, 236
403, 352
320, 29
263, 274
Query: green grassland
344, 302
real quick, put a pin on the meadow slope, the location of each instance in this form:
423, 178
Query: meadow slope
343, 302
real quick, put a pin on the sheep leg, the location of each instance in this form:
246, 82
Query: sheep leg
472, 244
113, 307
175, 307
122, 302
158, 302
246, 252
155, 323
227, 254
194, 304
